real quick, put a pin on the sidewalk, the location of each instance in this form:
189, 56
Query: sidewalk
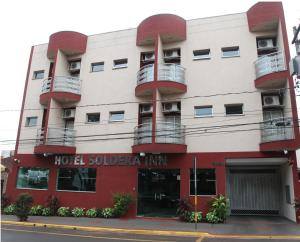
272, 226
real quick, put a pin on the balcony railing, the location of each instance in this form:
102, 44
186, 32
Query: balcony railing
145, 74
56, 136
269, 63
171, 72
63, 84
143, 134
170, 133
277, 129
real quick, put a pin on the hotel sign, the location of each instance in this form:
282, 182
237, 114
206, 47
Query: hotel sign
111, 160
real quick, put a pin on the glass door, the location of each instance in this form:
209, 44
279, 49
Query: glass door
159, 192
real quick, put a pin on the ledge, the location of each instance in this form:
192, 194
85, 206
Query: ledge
272, 80
54, 149
160, 148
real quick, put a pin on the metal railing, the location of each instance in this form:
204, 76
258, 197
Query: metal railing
145, 74
170, 133
56, 136
277, 129
171, 72
62, 84
143, 134
269, 63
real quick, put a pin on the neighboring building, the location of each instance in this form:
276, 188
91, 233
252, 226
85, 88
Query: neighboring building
7, 159
128, 111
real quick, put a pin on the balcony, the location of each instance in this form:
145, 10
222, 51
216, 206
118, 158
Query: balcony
170, 80
65, 89
169, 138
57, 141
278, 135
270, 71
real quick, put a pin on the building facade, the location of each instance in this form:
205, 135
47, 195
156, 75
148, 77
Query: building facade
131, 111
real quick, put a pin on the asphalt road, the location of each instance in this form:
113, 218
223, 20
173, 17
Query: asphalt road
13, 233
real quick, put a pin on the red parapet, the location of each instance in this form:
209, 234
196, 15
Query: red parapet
272, 80
170, 27
69, 42
280, 145
264, 16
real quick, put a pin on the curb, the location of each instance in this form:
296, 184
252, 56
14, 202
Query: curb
150, 232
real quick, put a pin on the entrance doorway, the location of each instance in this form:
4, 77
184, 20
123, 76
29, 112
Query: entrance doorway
158, 192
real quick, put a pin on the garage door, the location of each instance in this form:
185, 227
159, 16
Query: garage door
254, 191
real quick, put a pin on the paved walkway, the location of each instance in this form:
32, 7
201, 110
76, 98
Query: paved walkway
242, 225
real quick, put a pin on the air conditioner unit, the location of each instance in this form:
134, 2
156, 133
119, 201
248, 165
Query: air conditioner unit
171, 107
148, 57
271, 101
74, 66
265, 44
171, 53
69, 113
146, 108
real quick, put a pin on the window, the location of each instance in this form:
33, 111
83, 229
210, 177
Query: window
116, 116
234, 109
38, 75
201, 54
288, 194
76, 179
32, 178
203, 111
96, 67
93, 117
122, 63
206, 182
31, 121
230, 51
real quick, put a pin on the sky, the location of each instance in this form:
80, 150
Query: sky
31, 22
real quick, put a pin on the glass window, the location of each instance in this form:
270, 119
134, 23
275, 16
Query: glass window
31, 121
76, 179
38, 75
231, 51
116, 116
234, 109
93, 117
203, 111
33, 178
96, 67
206, 182
122, 63
201, 54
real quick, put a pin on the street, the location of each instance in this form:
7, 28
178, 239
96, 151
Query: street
13, 233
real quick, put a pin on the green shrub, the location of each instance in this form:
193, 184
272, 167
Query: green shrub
36, 210
121, 204
10, 209
46, 212
4, 202
99, 212
23, 204
64, 211
107, 213
52, 202
184, 209
220, 207
211, 217
91, 213
192, 217
78, 212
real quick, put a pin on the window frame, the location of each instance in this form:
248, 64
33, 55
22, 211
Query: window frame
202, 56
231, 49
36, 168
120, 66
203, 116
101, 63
27, 122
232, 105
116, 112
57, 177
35, 75
192, 181
90, 122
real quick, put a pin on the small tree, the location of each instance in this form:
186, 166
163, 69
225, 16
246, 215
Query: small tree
23, 205
4, 202
52, 202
